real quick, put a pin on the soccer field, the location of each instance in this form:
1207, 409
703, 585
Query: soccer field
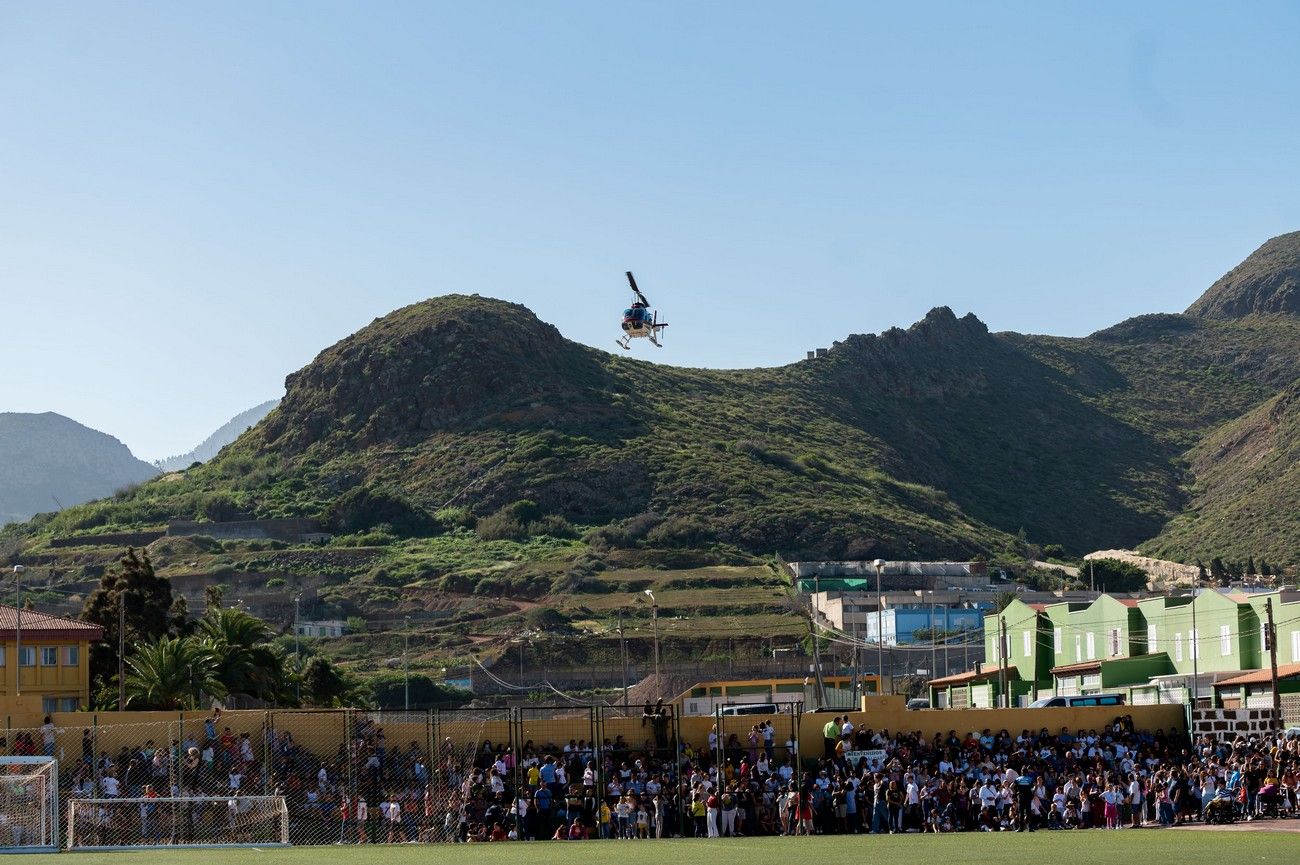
1149, 847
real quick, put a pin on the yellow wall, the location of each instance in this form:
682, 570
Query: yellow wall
321, 731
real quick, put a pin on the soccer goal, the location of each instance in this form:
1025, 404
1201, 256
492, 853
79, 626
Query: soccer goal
183, 821
29, 804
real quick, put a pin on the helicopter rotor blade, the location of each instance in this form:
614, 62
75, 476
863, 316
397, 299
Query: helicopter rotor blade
632, 282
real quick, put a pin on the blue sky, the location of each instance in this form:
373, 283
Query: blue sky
195, 199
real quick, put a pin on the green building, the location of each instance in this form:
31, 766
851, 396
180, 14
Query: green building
1157, 649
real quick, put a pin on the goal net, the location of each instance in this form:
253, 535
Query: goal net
185, 821
29, 804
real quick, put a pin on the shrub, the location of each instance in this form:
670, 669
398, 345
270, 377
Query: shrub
680, 532
500, 526
362, 508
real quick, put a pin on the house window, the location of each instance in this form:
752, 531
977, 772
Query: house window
1029, 643
1092, 646
69, 704
27, 656
1078, 648
1225, 640
1152, 639
1058, 641
49, 656
2, 656
71, 656
49, 704
1295, 647
1193, 650
1006, 646
1178, 648
1114, 642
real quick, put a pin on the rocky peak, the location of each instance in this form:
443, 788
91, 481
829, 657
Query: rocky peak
451, 362
1267, 282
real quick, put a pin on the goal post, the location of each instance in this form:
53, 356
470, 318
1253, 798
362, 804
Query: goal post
29, 804
177, 821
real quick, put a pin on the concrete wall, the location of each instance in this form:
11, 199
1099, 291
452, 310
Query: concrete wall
122, 539
889, 713
288, 530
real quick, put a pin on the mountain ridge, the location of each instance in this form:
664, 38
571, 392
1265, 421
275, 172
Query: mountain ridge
937, 440
220, 437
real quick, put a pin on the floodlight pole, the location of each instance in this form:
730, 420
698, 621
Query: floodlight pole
18, 629
879, 565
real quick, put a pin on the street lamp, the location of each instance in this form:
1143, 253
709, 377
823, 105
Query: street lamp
879, 565
406, 662
18, 629
297, 655
654, 618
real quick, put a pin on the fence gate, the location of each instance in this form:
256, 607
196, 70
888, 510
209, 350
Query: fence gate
773, 739
653, 736
464, 740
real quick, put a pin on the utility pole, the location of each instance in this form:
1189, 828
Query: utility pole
622, 648
654, 620
817, 659
1196, 656
1270, 638
18, 629
297, 655
121, 650
1002, 662
934, 641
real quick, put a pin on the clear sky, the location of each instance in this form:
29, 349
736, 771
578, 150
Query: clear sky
196, 198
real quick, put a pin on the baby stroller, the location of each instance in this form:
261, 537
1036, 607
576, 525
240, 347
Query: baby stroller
1223, 808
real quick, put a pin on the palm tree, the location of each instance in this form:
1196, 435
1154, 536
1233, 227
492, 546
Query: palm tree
171, 673
246, 661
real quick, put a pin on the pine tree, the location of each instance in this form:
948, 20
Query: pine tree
1250, 565
1264, 569
147, 607
1217, 570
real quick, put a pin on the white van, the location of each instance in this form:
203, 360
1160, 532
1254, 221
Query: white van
751, 709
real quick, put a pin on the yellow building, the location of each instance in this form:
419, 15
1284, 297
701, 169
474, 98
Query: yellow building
45, 661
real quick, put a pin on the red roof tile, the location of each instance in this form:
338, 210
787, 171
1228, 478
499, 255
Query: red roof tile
1077, 668
1261, 677
972, 676
45, 625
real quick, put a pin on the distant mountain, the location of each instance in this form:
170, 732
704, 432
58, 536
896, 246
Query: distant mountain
212, 445
48, 461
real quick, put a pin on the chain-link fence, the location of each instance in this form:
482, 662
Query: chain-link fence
351, 776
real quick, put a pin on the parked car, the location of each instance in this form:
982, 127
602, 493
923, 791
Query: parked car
751, 709
1085, 700
918, 703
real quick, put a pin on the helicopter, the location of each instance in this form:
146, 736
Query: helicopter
639, 320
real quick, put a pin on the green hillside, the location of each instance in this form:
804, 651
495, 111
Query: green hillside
1245, 499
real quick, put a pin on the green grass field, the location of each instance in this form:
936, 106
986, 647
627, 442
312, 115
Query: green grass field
1150, 847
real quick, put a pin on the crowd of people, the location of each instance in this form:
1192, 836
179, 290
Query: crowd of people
758, 782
